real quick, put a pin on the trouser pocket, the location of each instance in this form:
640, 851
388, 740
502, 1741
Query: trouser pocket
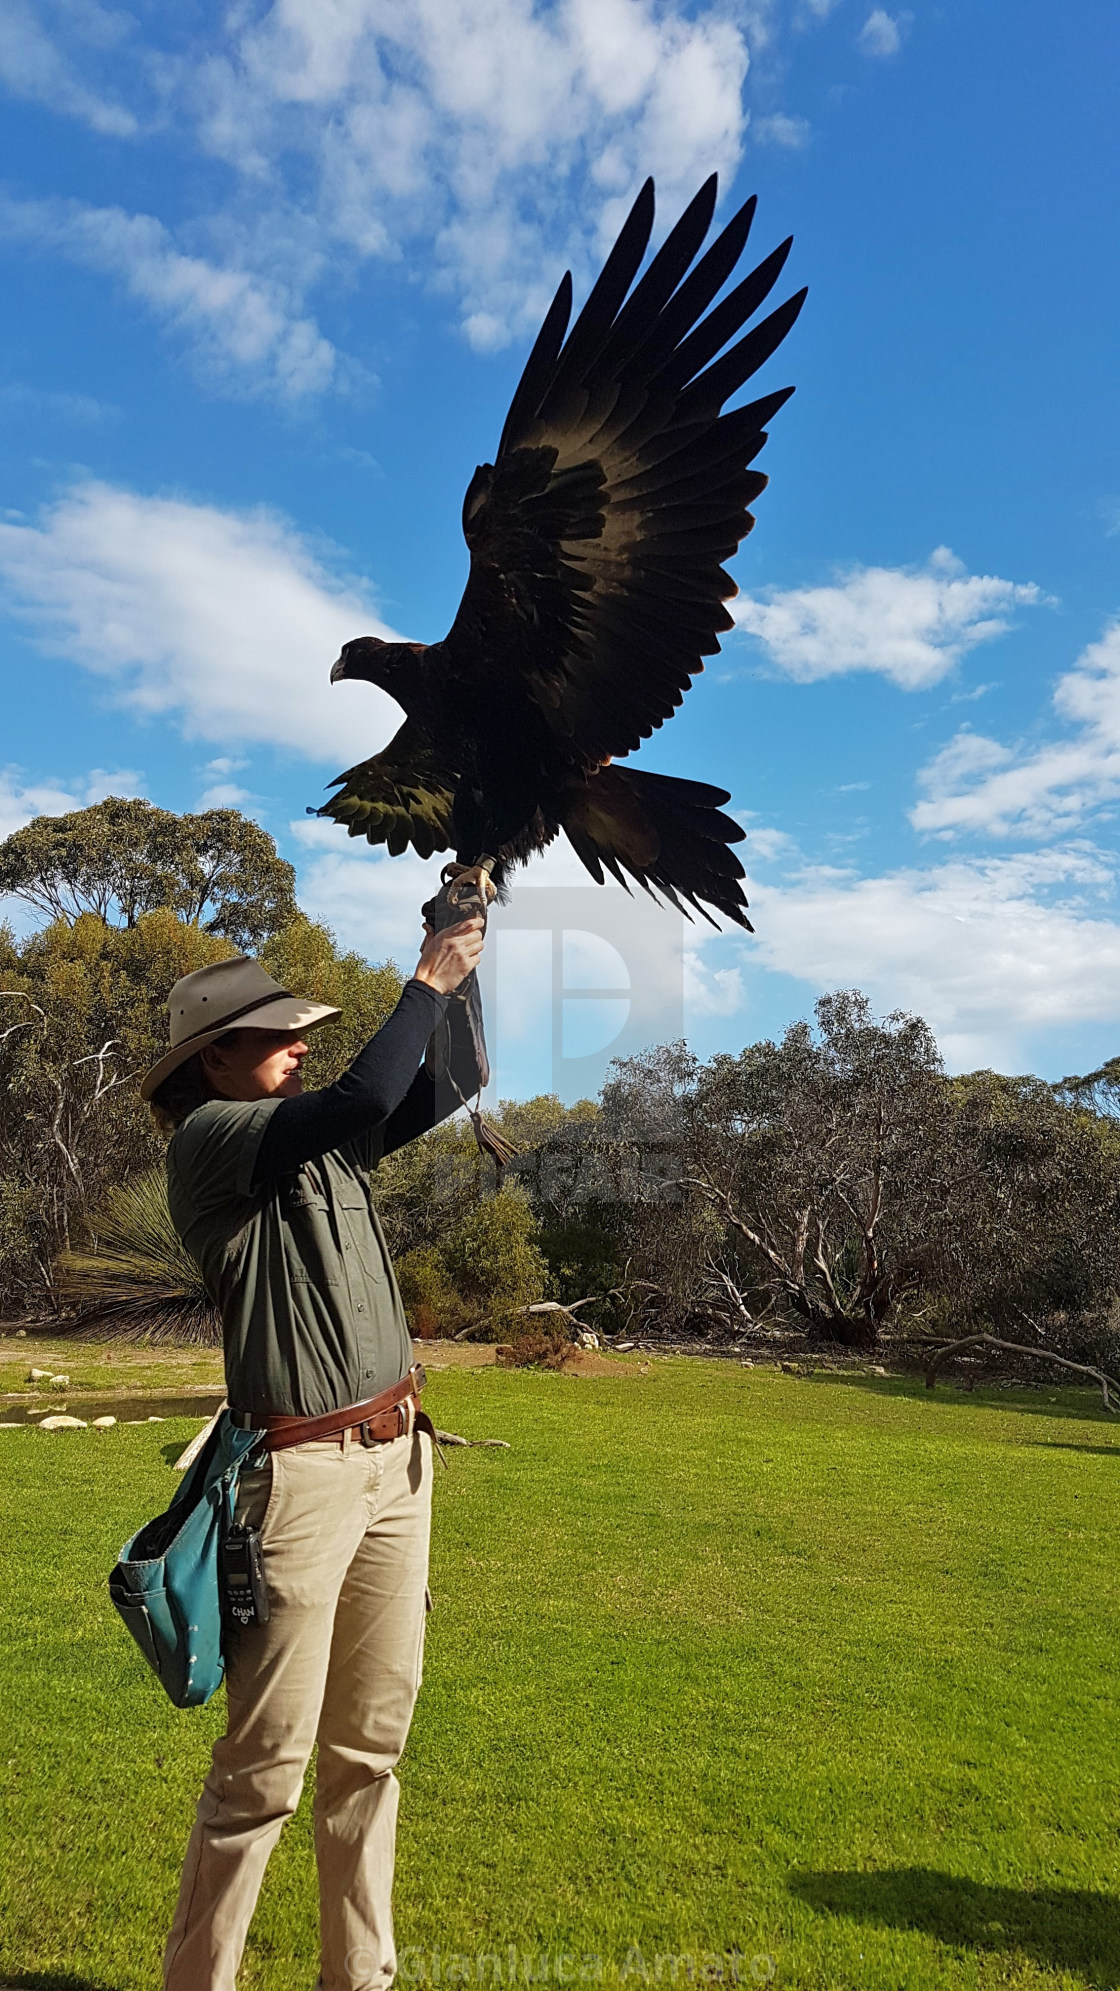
256, 1487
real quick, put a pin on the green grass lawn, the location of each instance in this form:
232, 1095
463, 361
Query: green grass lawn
811, 1681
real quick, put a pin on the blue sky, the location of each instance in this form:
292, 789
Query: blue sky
270, 273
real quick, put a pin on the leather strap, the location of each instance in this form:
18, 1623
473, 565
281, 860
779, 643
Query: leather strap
378, 1419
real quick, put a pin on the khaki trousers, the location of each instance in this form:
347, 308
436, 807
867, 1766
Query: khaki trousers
344, 1534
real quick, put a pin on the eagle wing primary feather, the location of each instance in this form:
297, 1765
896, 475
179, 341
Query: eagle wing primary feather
402, 796
597, 540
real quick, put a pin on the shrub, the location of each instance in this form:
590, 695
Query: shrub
135, 1280
542, 1341
430, 1300
494, 1260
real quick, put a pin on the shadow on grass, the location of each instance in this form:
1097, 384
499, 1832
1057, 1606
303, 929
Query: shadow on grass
1062, 1928
52, 1980
1084, 1406
1068, 1445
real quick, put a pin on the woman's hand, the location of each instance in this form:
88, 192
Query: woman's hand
446, 958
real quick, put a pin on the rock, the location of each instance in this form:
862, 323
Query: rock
155, 1420
586, 1339
876, 1369
38, 1375
13, 1427
62, 1424
792, 1368
20, 1334
59, 1383
103, 1423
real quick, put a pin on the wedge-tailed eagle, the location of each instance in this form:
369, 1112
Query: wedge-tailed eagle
596, 584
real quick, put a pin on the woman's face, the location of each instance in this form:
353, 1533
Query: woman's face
256, 1064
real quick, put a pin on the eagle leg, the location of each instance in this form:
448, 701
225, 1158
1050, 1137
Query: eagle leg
466, 881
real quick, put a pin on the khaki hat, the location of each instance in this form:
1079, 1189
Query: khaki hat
236, 994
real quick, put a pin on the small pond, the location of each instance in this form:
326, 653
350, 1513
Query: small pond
126, 1409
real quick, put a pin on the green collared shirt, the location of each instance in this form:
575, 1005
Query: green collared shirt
299, 1268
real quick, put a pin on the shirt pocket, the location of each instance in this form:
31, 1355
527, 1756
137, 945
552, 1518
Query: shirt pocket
359, 1239
309, 1238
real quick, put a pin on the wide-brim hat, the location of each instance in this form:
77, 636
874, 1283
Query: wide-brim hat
231, 995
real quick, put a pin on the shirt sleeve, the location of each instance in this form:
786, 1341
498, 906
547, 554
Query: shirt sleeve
352, 1112
215, 1151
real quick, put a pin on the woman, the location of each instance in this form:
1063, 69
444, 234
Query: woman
269, 1192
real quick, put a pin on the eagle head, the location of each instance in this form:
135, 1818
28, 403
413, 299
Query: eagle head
389, 665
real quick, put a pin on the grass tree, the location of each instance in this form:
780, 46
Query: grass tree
134, 1280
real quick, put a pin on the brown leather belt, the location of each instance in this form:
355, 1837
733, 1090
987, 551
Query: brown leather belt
376, 1421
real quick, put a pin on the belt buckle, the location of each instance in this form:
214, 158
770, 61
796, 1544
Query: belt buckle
400, 1411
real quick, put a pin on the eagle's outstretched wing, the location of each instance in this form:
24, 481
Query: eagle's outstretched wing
597, 538
402, 796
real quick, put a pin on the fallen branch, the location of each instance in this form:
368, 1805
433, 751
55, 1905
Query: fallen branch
188, 1457
453, 1438
1018, 1348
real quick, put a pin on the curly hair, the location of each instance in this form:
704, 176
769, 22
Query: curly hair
182, 1090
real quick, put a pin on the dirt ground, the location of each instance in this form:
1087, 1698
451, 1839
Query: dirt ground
123, 1370
477, 1355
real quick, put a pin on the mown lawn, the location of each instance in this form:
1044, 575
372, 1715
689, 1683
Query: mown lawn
812, 1681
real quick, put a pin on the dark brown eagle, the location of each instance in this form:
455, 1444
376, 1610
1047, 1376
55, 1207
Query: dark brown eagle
596, 587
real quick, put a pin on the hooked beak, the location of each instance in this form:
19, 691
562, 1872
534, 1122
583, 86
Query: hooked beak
338, 669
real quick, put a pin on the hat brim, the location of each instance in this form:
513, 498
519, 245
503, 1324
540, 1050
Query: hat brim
286, 1013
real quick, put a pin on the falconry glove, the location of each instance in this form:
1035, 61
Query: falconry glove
465, 893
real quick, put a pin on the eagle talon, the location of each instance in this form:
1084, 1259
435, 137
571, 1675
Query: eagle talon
463, 880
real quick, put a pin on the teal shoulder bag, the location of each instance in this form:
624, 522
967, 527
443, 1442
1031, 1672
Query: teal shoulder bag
166, 1583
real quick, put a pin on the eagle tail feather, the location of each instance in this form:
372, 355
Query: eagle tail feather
669, 835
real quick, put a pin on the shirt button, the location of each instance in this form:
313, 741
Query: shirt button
360, 1307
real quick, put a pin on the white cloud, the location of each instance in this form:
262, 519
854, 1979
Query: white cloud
33, 66
792, 134
911, 624
224, 795
977, 784
241, 325
881, 33
710, 991
20, 799
370, 901
513, 134
493, 141
765, 844
225, 619
990, 953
